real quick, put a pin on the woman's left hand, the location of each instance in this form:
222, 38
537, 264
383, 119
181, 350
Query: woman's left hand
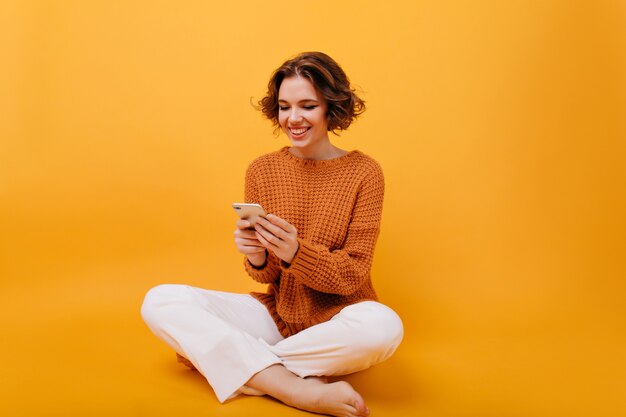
279, 236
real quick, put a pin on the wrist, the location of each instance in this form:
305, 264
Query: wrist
290, 260
258, 260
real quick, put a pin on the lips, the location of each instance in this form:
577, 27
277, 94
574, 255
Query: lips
298, 132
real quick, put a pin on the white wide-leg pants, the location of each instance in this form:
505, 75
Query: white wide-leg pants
230, 337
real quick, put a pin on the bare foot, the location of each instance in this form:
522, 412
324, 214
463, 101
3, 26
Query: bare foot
312, 394
336, 399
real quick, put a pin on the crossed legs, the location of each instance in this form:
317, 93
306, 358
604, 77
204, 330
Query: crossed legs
232, 340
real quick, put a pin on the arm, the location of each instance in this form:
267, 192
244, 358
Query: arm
343, 271
269, 271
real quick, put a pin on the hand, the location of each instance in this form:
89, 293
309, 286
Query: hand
279, 236
248, 244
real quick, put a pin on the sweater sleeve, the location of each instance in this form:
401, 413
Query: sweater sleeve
345, 270
269, 272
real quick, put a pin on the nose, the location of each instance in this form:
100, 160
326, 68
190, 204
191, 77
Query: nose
294, 115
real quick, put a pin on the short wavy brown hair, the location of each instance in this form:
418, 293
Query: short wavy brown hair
328, 79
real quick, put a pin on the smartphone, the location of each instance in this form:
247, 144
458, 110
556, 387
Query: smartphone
249, 212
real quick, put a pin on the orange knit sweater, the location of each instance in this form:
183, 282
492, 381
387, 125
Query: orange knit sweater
336, 206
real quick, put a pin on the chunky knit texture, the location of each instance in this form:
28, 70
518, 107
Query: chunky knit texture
336, 207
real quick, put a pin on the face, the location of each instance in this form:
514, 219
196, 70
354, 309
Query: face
302, 114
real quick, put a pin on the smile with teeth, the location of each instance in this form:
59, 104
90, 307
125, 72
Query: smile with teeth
297, 131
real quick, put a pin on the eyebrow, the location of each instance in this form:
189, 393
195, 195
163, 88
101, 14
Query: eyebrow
306, 100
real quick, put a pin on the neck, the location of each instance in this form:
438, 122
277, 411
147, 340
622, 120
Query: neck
322, 151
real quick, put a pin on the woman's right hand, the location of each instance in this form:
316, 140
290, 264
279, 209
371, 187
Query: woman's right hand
248, 244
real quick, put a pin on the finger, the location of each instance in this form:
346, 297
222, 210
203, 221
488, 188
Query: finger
246, 233
282, 223
269, 236
248, 242
249, 250
243, 224
247, 239
273, 229
254, 248
267, 243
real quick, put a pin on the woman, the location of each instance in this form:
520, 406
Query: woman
320, 316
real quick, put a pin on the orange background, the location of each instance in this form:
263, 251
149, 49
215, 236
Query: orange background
126, 130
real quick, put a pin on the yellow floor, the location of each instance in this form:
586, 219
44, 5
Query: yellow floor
75, 345
81, 349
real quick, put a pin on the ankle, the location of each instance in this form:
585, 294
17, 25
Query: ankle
302, 393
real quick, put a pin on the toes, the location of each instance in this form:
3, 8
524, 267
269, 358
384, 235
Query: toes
350, 411
359, 405
353, 412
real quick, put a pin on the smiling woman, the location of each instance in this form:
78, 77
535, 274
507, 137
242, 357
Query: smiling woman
302, 115
320, 315
330, 82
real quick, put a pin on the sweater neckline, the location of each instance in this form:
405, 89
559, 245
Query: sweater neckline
316, 162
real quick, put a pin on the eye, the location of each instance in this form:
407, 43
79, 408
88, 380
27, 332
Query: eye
309, 107
283, 108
